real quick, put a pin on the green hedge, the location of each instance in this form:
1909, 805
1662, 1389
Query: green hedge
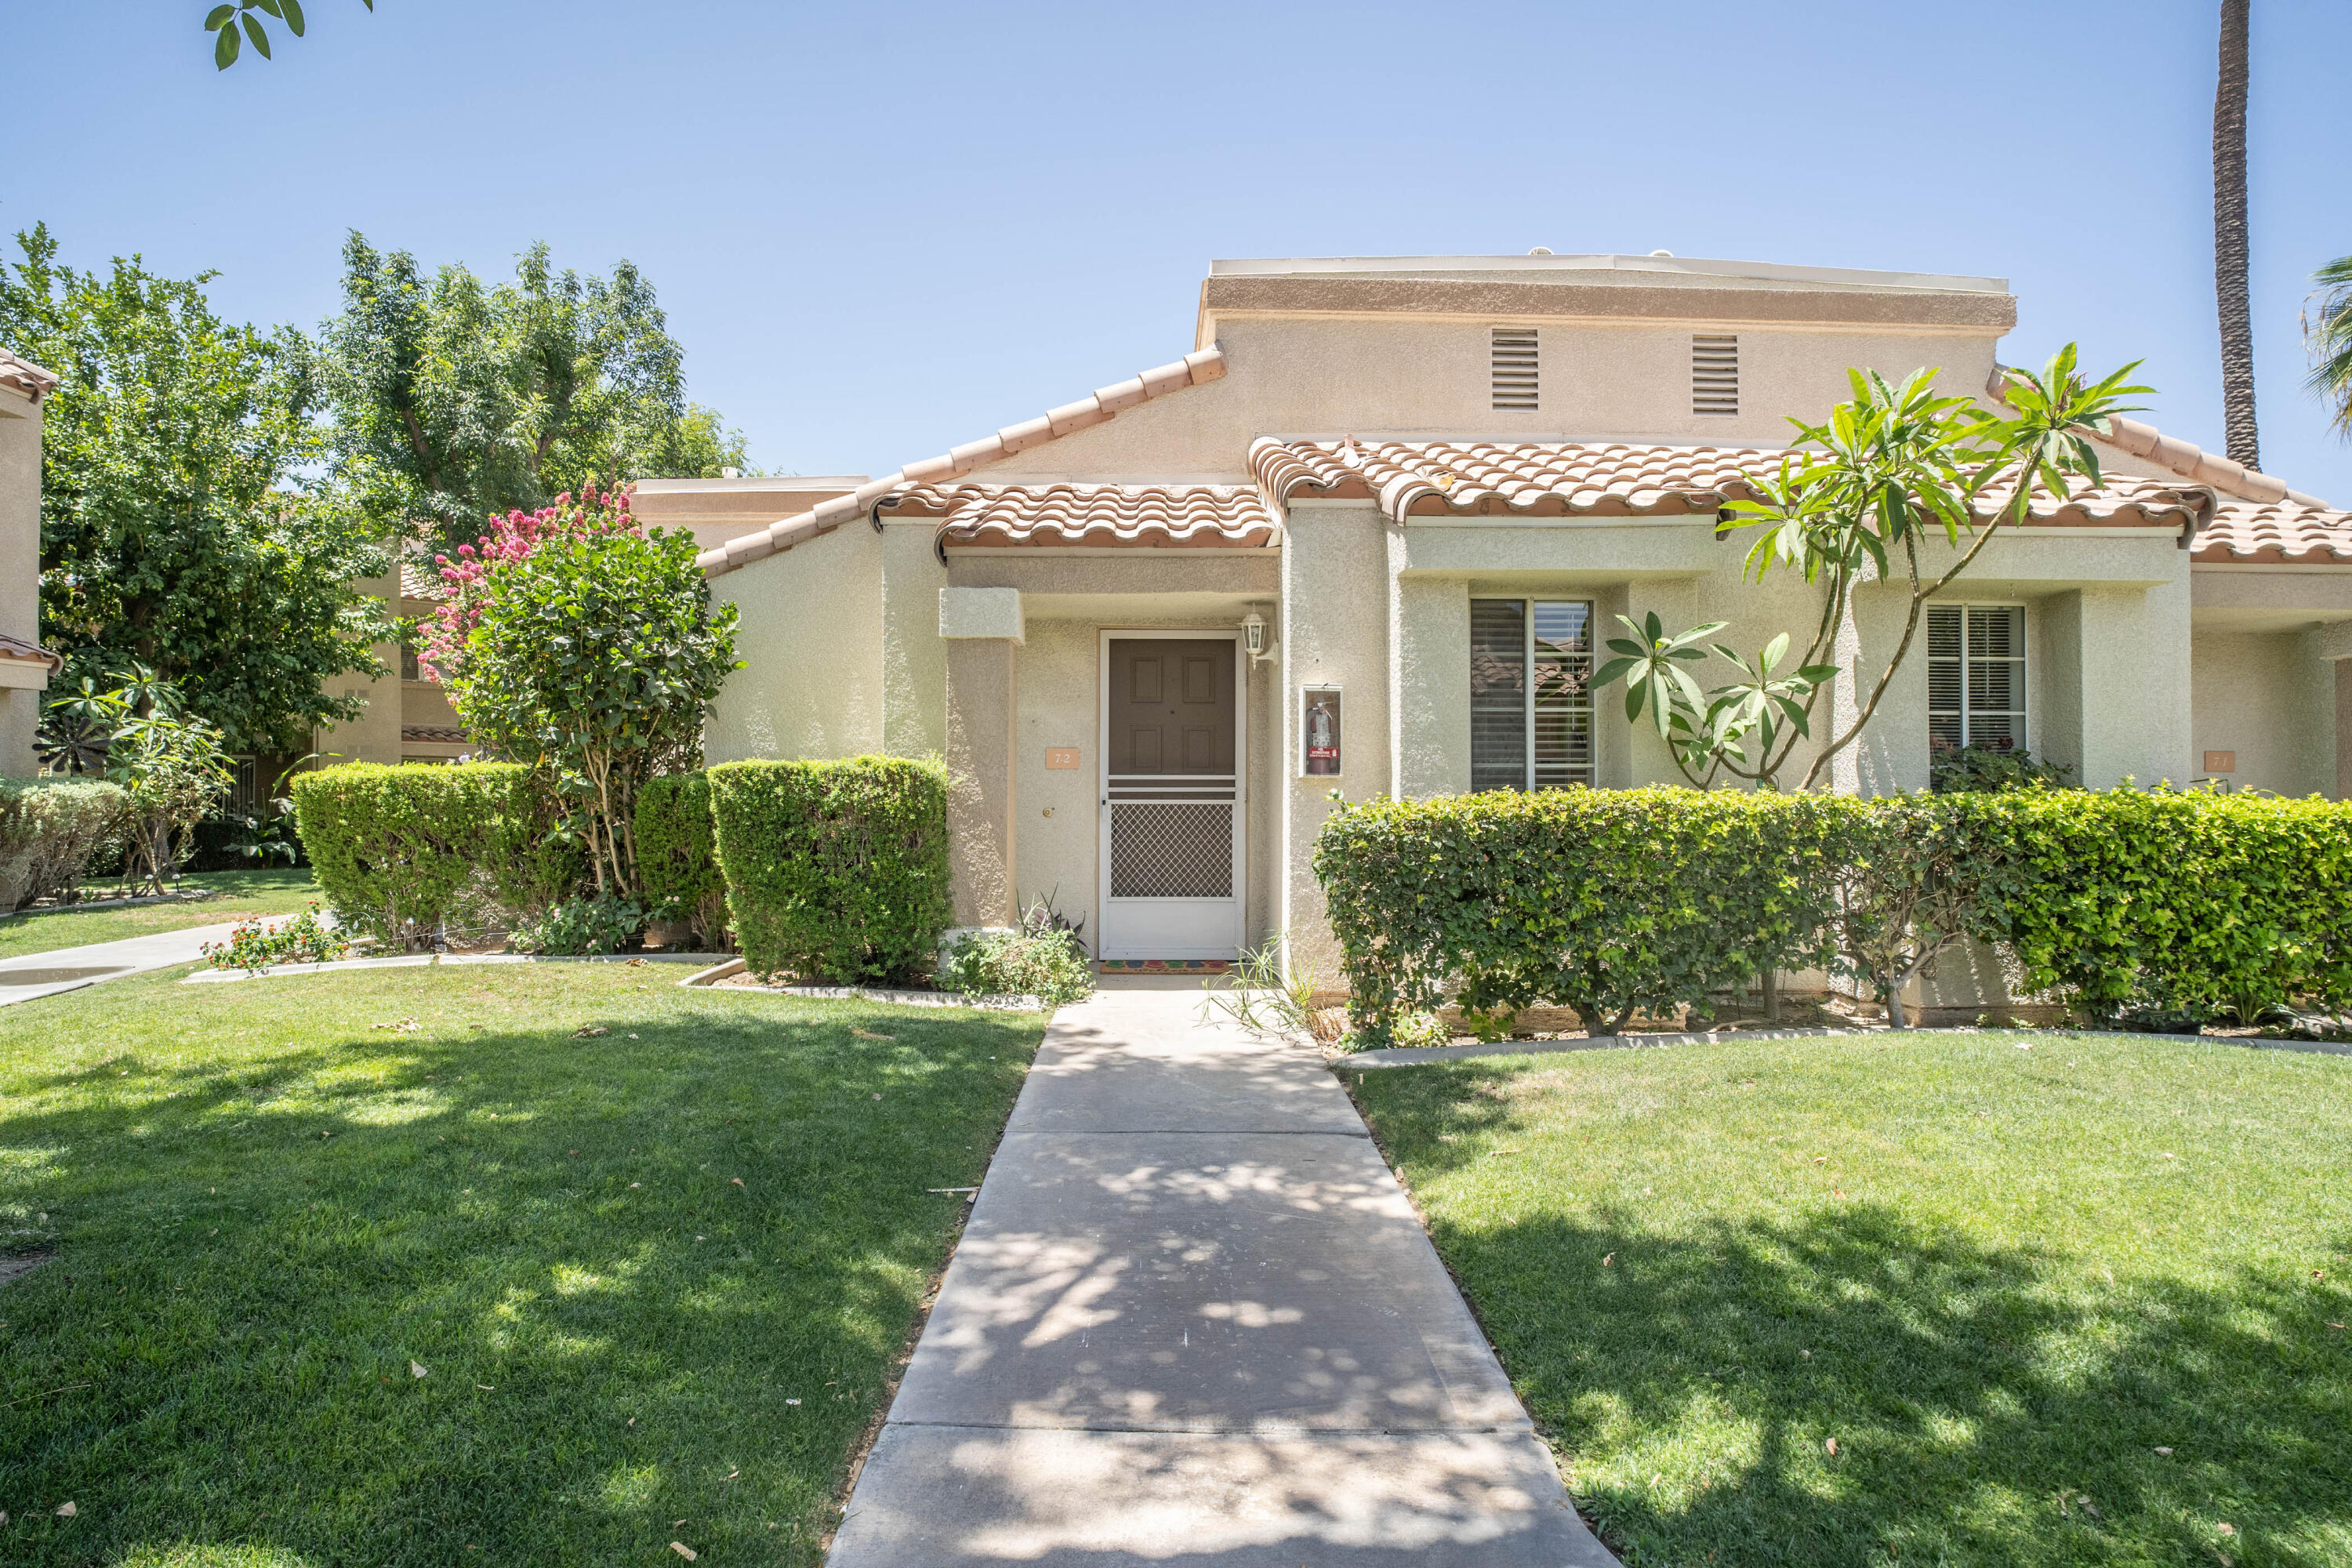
835, 871
407, 852
1605, 900
50, 831
2176, 901
1602, 900
677, 856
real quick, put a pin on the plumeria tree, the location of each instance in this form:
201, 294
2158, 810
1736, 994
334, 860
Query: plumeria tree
1864, 496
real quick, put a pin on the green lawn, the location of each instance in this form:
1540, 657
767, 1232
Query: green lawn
268, 1199
240, 893
2001, 1272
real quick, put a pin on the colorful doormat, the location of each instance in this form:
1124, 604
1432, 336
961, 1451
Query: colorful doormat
1163, 966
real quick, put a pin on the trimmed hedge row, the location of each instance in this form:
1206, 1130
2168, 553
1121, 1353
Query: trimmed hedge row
835, 871
1609, 900
407, 852
50, 831
678, 857
1599, 901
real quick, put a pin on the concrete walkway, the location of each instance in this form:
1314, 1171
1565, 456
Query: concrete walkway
1195, 1320
71, 968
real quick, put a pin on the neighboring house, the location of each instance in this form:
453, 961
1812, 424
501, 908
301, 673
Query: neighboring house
1367, 535
405, 718
24, 665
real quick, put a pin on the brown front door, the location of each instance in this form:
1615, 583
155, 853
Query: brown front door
1172, 707
1172, 798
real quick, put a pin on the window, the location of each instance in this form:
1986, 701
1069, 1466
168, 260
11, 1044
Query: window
1976, 675
1530, 693
1512, 365
1715, 375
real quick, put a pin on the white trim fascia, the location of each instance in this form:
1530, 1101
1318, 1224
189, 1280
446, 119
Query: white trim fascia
1692, 519
1216, 317
2299, 568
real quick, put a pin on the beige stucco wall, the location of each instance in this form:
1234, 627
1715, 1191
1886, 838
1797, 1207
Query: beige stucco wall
1601, 381
374, 735
812, 638
20, 570
2270, 698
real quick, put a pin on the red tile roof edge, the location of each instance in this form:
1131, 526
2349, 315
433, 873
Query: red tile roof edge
1199, 366
25, 377
2173, 455
18, 648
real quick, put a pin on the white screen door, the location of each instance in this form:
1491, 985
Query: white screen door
1172, 808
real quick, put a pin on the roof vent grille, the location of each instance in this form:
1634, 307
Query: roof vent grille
1715, 374
1513, 352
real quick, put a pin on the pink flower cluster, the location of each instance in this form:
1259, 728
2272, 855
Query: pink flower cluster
512, 538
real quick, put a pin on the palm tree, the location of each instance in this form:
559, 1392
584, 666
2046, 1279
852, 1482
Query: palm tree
2327, 332
2229, 239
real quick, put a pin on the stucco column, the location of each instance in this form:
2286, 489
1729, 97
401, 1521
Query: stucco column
20, 577
981, 627
2335, 646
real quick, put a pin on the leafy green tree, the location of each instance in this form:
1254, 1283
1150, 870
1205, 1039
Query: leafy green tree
594, 658
455, 400
224, 22
180, 530
1858, 498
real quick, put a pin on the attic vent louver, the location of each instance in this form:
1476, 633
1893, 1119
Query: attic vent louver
1513, 352
1715, 375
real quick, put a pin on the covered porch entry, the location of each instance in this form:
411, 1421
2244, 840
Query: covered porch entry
1110, 737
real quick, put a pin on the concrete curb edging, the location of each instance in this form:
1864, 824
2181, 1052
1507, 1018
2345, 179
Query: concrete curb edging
1418, 1056
427, 960
1004, 1003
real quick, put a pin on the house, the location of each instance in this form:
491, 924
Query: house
24, 665
1367, 534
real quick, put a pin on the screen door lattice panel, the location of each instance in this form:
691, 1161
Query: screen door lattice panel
1171, 849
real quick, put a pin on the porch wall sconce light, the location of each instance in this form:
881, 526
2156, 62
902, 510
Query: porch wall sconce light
1256, 640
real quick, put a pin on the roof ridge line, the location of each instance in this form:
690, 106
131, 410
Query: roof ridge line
1199, 366
2184, 459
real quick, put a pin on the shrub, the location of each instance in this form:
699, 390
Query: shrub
835, 871
410, 853
255, 946
1953, 770
578, 927
1042, 957
594, 658
50, 831
1599, 901
2156, 903
677, 857
2171, 900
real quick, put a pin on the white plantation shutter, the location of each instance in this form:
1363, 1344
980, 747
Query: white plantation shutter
1976, 675
1530, 693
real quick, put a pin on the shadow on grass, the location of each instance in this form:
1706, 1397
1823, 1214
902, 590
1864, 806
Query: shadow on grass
1978, 1395
648, 1279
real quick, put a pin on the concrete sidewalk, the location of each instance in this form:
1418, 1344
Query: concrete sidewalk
1195, 1320
71, 968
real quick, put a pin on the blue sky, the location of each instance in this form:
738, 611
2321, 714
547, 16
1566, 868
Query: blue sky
883, 229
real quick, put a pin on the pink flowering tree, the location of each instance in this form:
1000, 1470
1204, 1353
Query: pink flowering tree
588, 649
441, 647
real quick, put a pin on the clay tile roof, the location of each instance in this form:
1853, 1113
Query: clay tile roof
2251, 533
1194, 368
422, 580
1525, 479
18, 648
1226, 516
2170, 453
23, 375
1407, 479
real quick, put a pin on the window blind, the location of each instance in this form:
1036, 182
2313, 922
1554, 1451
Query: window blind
1530, 693
1976, 675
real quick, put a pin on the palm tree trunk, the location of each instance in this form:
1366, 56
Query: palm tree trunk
2229, 239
